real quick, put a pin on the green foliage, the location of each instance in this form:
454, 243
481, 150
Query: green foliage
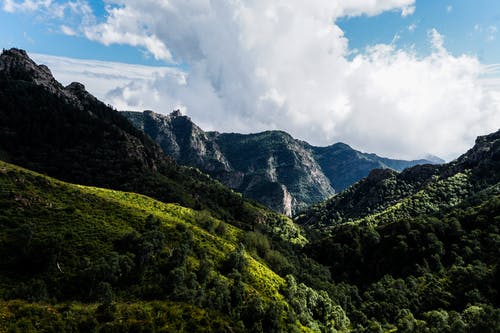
20, 316
64, 243
435, 270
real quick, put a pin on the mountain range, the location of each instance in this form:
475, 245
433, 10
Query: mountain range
271, 167
102, 231
67, 133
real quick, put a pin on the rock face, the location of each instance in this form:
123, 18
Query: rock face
275, 169
270, 167
15, 64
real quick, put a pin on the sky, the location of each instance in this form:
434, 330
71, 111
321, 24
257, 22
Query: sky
401, 78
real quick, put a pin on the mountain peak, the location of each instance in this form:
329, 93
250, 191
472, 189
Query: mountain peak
17, 61
75, 86
341, 145
17, 65
16, 53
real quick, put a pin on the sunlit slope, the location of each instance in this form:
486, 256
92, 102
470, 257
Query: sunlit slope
71, 243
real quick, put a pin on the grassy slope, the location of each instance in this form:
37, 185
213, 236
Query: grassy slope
81, 224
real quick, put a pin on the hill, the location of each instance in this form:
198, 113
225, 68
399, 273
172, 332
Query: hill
119, 260
419, 248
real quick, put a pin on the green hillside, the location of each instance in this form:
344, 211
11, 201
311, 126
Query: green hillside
432, 273
416, 251
89, 256
386, 195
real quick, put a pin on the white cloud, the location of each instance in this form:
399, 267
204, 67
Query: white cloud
407, 11
437, 40
449, 8
68, 31
50, 8
103, 79
12, 6
412, 27
257, 65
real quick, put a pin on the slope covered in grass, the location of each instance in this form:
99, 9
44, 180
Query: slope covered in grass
85, 245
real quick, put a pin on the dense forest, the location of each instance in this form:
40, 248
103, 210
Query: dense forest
144, 245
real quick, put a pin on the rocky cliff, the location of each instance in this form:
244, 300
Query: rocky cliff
271, 167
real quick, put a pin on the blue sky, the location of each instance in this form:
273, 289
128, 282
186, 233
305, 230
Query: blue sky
470, 27
401, 78
38, 34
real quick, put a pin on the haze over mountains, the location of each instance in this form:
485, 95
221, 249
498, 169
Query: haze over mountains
271, 167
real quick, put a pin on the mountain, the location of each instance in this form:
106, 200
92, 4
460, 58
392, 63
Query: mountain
67, 133
271, 167
386, 195
344, 166
418, 246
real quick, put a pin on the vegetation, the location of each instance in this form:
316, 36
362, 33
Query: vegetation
386, 196
85, 258
103, 255
416, 251
437, 270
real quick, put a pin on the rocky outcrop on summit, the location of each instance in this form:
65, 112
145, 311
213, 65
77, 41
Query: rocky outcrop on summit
181, 139
15, 64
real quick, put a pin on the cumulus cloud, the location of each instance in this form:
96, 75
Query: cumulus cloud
258, 64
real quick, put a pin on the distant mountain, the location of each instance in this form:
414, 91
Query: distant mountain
345, 166
271, 167
386, 195
67, 133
